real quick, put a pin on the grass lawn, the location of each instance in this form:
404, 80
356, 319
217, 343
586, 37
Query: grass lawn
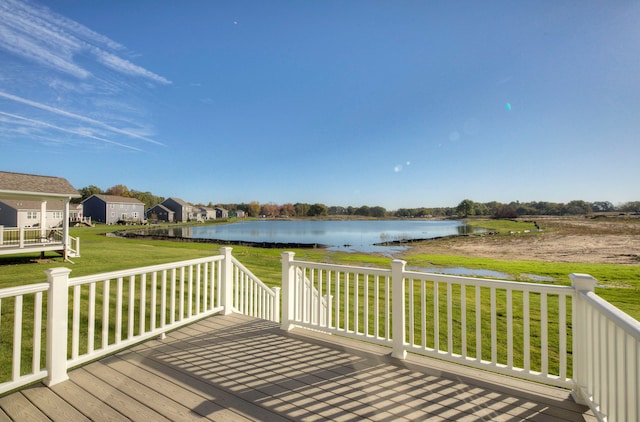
620, 284
103, 252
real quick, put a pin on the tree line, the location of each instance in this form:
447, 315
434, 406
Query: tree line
466, 208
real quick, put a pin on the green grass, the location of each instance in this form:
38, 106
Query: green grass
618, 284
502, 226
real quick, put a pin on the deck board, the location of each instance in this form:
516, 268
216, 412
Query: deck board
236, 368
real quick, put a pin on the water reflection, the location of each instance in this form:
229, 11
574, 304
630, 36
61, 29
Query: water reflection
385, 236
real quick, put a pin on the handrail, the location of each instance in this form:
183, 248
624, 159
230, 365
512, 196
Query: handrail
94, 315
565, 336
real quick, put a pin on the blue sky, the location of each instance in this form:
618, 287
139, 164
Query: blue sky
390, 103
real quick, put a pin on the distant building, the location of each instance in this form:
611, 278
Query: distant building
26, 213
111, 209
221, 213
183, 211
207, 213
160, 213
237, 214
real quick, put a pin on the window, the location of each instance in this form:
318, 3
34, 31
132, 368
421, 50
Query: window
32, 215
134, 215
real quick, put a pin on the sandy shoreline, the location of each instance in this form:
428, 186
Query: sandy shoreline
595, 240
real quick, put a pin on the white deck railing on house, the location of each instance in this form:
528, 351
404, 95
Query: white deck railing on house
90, 316
559, 335
36, 239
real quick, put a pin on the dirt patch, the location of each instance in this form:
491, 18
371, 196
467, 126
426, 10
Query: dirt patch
595, 240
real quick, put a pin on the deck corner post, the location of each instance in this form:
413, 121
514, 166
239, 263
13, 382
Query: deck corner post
57, 329
276, 304
582, 283
227, 281
288, 278
398, 309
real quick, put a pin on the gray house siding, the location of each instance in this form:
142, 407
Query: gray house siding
183, 211
112, 209
8, 216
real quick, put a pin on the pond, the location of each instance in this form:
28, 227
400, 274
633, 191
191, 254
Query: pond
383, 236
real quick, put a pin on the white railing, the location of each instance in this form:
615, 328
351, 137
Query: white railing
23, 236
564, 336
252, 297
21, 334
34, 239
608, 369
91, 316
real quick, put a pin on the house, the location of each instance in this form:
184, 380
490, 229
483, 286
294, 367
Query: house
111, 209
207, 213
40, 202
75, 213
160, 213
183, 211
221, 213
25, 213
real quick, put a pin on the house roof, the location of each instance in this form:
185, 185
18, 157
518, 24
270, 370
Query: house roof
116, 199
23, 185
162, 207
22, 204
179, 201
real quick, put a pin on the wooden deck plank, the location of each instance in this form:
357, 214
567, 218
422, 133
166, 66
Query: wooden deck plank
89, 405
121, 402
18, 408
198, 403
131, 385
237, 368
51, 404
234, 407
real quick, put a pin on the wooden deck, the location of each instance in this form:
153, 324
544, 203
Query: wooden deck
236, 368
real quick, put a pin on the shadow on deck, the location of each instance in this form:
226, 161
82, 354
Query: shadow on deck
238, 368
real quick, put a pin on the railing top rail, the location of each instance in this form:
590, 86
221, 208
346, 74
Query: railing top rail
141, 270
23, 290
343, 268
620, 318
487, 282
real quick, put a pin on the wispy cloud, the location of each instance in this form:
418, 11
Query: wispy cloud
57, 74
77, 117
38, 34
125, 66
80, 132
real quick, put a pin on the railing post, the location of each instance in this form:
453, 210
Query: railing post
288, 278
397, 309
21, 241
276, 304
227, 281
57, 328
582, 283
1, 234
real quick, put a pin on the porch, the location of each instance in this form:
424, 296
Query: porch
17, 234
18, 240
235, 367
346, 343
